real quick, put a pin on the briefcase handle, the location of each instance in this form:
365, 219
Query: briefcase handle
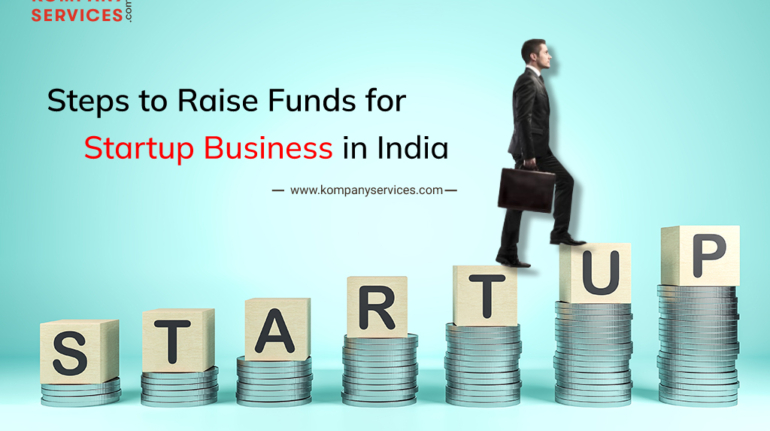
524, 168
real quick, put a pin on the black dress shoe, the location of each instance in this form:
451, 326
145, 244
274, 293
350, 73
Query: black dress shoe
566, 240
512, 263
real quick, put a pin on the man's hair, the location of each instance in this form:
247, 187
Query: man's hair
531, 46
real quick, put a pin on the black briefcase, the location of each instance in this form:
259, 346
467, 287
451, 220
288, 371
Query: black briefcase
526, 190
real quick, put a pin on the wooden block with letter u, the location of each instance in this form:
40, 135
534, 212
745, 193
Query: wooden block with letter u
595, 273
277, 329
700, 255
484, 296
377, 307
79, 351
178, 340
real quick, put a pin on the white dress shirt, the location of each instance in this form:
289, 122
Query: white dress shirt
535, 69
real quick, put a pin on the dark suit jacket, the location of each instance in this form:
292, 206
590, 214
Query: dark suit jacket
530, 118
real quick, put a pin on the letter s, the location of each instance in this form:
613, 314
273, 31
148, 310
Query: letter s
61, 348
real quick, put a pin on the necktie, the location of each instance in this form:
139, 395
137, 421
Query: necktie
541, 79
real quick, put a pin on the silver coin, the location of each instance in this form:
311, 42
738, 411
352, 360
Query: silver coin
565, 369
194, 392
695, 355
597, 375
110, 386
482, 404
501, 346
591, 306
569, 338
701, 318
478, 340
478, 359
286, 375
697, 404
483, 378
477, 399
189, 381
451, 327
274, 404
394, 371
373, 364
398, 377
594, 404
609, 314
678, 313
698, 366
566, 381
271, 398
480, 370
731, 304
209, 374
103, 398
599, 355
366, 387
701, 345
598, 390
194, 386
241, 361
699, 351
294, 381
675, 288
472, 387
305, 392
593, 395
677, 393
179, 399
395, 394
351, 353
179, 404
354, 403
674, 381
496, 355
269, 388
696, 339
81, 403
586, 364
690, 375
379, 359
295, 371
70, 393
376, 398
464, 362
408, 382
593, 399
715, 399
484, 393
707, 325
600, 319
490, 382
410, 340
589, 326
704, 388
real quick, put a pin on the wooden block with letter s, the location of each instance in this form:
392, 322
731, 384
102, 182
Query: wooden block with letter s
79, 351
700, 255
484, 296
377, 307
595, 273
277, 329
178, 340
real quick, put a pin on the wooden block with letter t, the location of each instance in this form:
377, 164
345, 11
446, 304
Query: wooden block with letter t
377, 307
484, 296
595, 273
79, 351
277, 329
700, 255
178, 340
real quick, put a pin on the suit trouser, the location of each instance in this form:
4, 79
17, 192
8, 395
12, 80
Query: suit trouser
561, 209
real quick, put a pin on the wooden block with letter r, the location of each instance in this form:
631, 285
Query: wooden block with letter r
484, 296
377, 307
277, 329
178, 340
700, 255
79, 351
595, 273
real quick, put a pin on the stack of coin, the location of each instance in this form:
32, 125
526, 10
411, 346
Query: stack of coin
274, 383
380, 372
180, 389
482, 366
593, 347
80, 395
698, 346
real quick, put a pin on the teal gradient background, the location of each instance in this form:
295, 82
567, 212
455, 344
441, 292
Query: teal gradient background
657, 111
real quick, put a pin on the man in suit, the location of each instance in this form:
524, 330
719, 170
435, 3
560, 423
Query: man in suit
530, 150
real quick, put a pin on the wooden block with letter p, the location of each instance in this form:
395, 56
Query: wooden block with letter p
484, 296
277, 329
700, 255
377, 307
79, 351
595, 273
178, 340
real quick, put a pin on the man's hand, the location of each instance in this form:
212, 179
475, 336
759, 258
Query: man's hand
530, 163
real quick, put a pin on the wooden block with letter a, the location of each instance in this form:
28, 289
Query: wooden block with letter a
700, 255
79, 351
484, 296
595, 273
277, 329
178, 340
377, 307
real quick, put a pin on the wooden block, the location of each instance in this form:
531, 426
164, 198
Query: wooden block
377, 307
595, 273
178, 340
484, 296
277, 329
79, 351
700, 255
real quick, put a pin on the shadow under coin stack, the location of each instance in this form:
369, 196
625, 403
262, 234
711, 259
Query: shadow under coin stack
80, 395
180, 389
593, 347
274, 383
698, 346
379, 372
482, 366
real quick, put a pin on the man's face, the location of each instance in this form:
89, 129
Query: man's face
544, 58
